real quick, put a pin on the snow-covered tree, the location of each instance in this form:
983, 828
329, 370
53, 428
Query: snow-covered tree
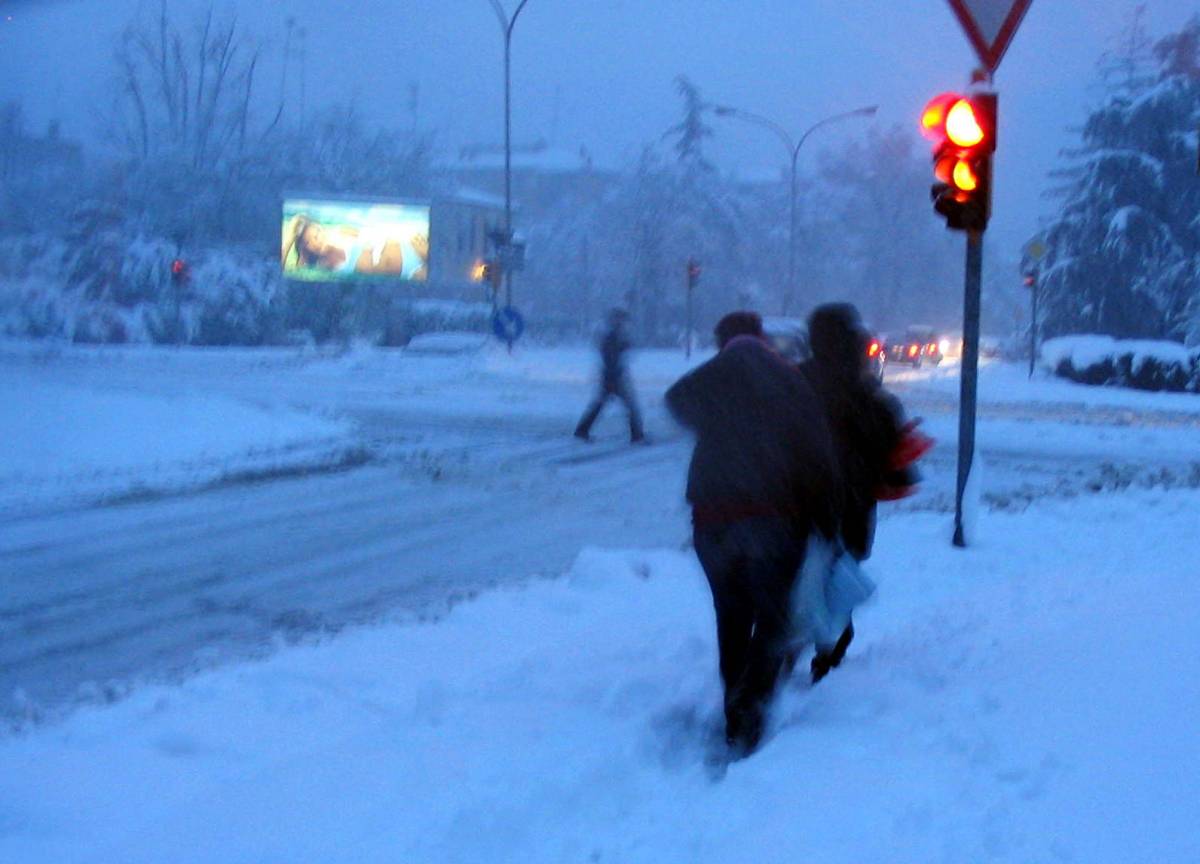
868, 235
1124, 248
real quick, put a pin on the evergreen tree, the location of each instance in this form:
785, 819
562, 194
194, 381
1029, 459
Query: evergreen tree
689, 134
1124, 249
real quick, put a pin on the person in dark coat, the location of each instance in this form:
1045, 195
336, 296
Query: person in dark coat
614, 380
761, 480
867, 425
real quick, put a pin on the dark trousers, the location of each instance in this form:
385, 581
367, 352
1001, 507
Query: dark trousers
608, 389
751, 567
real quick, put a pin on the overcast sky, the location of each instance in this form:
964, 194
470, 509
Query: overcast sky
600, 72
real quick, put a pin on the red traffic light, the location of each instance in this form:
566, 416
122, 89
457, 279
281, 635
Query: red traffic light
963, 132
178, 267
965, 123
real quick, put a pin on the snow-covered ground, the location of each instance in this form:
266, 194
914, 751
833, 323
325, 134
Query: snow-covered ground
470, 479
66, 444
1031, 699
1009, 383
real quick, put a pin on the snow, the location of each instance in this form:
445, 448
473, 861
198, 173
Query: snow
1084, 351
1164, 352
995, 707
69, 442
1081, 351
450, 342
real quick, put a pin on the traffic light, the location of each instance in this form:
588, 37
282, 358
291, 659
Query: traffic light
963, 132
693, 273
179, 271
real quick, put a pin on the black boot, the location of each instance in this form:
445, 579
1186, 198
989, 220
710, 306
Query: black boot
831, 659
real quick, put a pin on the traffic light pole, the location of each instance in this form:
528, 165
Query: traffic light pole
687, 339
1033, 324
969, 377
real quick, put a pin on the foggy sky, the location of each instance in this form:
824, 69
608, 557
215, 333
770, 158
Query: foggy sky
600, 73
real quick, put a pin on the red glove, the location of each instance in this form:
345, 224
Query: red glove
900, 480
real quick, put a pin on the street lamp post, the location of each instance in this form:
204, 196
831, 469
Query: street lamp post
793, 150
506, 27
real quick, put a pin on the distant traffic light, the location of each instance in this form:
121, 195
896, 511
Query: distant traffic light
179, 271
963, 132
693, 273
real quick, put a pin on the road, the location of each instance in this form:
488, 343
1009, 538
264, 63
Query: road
96, 600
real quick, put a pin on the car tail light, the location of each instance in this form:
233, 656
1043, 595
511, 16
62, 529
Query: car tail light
913, 349
872, 349
931, 348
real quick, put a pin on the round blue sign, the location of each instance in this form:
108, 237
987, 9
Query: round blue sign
507, 324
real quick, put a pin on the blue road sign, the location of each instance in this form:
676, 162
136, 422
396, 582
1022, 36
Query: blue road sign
507, 324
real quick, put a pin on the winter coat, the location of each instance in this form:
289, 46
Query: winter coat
866, 423
614, 345
763, 446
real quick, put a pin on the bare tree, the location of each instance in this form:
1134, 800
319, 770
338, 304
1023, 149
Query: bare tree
186, 92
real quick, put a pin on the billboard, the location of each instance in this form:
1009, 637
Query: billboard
332, 241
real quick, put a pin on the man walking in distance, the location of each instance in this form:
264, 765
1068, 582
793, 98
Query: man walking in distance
614, 379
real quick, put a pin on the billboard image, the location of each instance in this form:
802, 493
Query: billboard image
330, 241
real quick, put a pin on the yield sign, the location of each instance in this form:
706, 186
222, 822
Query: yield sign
990, 25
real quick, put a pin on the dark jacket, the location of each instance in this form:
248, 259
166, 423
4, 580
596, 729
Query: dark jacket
864, 419
762, 444
614, 345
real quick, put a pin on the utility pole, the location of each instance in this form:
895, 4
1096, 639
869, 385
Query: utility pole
793, 150
506, 27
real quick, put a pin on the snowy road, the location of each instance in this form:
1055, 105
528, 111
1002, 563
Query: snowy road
474, 482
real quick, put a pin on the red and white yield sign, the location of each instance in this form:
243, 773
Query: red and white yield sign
990, 25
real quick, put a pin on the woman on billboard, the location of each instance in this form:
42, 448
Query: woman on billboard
347, 250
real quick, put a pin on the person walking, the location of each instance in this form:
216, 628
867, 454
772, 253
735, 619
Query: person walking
614, 379
875, 449
761, 481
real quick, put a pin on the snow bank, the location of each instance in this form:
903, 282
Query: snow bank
1139, 363
66, 443
454, 342
1031, 707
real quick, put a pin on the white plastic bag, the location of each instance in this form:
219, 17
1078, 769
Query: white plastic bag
830, 586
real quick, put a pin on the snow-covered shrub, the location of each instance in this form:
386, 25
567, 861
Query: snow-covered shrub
100, 284
1138, 363
238, 302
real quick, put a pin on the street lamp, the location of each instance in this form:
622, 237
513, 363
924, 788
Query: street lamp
793, 149
506, 27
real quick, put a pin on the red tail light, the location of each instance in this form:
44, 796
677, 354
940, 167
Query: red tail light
931, 348
913, 349
872, 349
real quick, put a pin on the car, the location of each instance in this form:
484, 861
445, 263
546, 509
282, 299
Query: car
789, 336
876, 356
920, 345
